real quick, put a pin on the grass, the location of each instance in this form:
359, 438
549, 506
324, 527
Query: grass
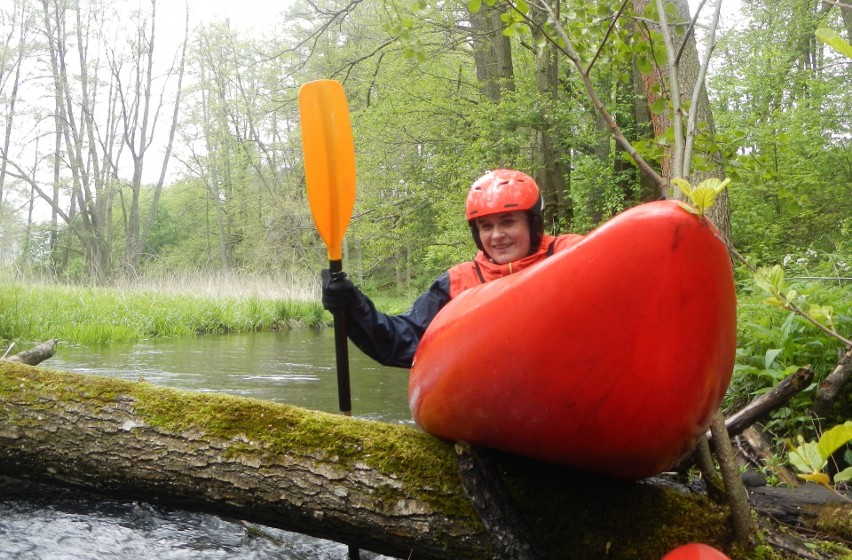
164, 307
87, 315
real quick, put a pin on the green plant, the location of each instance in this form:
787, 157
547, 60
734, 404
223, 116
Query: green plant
702, 196
811, 458
771, 280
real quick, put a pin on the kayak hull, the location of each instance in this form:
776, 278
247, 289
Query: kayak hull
611, 356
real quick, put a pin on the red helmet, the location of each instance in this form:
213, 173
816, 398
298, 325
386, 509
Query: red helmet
505, 190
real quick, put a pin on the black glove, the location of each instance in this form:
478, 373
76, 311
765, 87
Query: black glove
337, 290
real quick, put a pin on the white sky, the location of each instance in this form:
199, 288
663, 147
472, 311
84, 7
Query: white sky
244, 14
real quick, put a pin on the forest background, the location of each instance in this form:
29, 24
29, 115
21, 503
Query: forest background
131, 153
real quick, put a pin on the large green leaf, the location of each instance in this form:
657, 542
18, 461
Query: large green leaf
807, 458
831, 38
843, 476
833, 439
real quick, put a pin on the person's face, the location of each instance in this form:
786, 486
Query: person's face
505, 236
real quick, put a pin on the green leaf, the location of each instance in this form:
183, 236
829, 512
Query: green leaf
689, 208
474, 6
682, 185
658, 106
643, 64
831, 38
714, 184
843, 476
835, 438
703, 198
770, 280
822, 313
769, 357
807, 459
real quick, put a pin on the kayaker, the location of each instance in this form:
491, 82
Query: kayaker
504, 211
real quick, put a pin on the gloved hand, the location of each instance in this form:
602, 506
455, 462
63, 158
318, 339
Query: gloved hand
337, 290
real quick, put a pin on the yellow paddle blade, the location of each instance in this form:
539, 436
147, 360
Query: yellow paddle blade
329, 152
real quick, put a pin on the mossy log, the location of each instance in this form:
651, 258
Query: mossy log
382, 487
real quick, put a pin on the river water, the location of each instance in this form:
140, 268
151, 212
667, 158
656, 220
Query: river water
295, 367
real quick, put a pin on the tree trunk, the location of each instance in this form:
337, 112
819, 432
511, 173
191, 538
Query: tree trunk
382, 487
492, 53
553, 167
658, 83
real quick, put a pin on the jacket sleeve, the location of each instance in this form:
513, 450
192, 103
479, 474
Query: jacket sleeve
392, 340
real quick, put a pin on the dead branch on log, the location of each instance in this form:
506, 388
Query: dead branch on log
35, 356
769, 401
754, 411
832, 384
382, 487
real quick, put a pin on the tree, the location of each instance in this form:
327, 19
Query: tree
89, 103
139, 117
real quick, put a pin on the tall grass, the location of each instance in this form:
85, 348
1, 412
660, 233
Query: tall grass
157, 308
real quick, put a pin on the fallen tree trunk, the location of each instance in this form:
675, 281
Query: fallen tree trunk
381, 487
831, 386
773, 399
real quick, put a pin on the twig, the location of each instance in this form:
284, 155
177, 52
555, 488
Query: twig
744, 529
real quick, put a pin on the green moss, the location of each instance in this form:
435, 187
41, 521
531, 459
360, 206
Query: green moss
836, 521
425, 465
576, 513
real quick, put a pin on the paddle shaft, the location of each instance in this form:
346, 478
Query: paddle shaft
341, 351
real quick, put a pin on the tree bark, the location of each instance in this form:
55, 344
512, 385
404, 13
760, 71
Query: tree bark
687, 79
381, 487
492, 53
830, 387
769, 401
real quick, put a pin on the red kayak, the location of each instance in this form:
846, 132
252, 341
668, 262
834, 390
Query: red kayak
611, 356
695, 551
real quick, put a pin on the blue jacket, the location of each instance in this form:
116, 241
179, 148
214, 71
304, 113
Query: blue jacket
392, 340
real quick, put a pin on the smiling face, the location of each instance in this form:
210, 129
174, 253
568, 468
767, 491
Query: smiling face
506, 236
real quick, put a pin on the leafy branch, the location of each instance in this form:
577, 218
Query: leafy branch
771, 280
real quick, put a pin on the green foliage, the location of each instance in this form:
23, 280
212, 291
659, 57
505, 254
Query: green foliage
811, 458
702, 196
831, 38
780, 109
773, 344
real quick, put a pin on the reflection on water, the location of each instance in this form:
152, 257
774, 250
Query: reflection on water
293, 367
296, 367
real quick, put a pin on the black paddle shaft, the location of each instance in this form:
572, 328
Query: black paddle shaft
341, 350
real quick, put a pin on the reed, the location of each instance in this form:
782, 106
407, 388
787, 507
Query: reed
157, 308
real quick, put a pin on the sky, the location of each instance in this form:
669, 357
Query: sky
247, 14
244, 14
